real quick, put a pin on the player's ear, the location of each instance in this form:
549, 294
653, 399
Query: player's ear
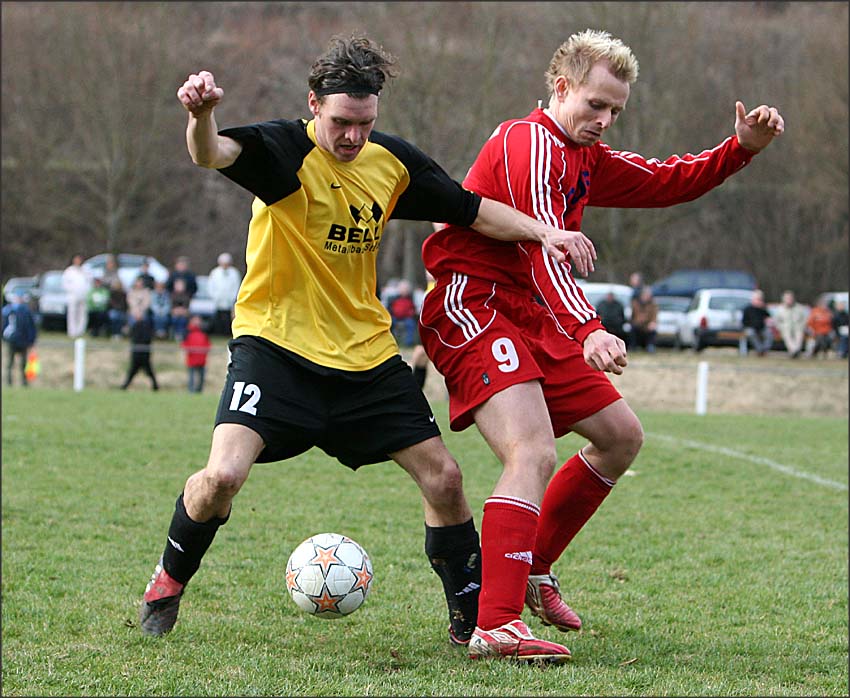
561, 86
313, 103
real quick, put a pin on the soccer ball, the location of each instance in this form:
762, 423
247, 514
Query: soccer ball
329, 575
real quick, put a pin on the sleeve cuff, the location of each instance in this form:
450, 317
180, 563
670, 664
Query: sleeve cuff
742, 152
590, 326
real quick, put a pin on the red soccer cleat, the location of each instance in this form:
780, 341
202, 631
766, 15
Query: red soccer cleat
514, 641
160, 604
543, 597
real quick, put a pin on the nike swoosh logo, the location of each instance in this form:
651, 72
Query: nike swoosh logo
175, 544
336, 186
431, 419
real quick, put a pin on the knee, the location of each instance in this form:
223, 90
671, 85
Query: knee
223, 482
619, 449
446, 481
633, 439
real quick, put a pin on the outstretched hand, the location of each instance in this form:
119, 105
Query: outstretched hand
756, 129
199, 93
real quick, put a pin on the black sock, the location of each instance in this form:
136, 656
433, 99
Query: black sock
419, 374
187, 542
455, 555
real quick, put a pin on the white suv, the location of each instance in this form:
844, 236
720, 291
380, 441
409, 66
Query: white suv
714, 318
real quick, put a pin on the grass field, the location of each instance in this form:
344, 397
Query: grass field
720, 567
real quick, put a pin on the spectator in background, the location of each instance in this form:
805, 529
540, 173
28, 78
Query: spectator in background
117, 308
161, 310
840, 326
223, 286
644, 320
636, 282
76, 284
181, 271
141, 335
19, 333
819, 333
613, 315
196, 345
110, 271
138, 301
791, 322
403, 312
389, 292
145, 275
180, 299
97, 303
758, 324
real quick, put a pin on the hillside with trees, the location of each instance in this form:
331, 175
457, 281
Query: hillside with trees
94, 157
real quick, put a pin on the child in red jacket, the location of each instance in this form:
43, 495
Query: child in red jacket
196, 345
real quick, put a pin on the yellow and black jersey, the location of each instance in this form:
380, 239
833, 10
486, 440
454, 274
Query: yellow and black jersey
314, 235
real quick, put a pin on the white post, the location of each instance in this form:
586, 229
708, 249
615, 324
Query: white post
79, 363
702, 387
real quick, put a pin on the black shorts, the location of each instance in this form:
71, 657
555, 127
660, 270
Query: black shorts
358, 417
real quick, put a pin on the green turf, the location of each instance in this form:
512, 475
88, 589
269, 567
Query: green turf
718, 568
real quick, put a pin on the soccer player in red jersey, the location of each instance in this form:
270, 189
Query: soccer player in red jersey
523, 353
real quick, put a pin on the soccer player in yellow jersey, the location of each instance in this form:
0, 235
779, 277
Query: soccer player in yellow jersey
313, 361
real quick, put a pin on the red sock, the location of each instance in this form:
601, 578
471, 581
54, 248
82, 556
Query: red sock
573, 495
508, 530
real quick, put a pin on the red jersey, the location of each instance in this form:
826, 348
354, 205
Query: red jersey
532, 165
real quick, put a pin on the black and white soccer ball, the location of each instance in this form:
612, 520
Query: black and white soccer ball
329, 575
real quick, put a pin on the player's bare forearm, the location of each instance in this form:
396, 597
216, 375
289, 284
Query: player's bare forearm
199, 95
206, 147
202, 139
501, 222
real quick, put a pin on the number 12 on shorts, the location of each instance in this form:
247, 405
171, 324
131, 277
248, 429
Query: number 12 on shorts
251, 391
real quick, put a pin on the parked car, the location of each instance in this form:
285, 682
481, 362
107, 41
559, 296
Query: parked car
833, 297
714, 317
595, 291
128, 267
202, 304
52, 300
686, 282
20, 285
672, 311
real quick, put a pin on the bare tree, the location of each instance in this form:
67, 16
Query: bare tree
94, 155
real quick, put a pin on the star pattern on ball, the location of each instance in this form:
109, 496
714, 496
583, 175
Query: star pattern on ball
290, 578
326, 601
325, 557
364, 576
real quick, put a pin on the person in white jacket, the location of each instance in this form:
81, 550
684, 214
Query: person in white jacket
791, 319
223, 286
76, 282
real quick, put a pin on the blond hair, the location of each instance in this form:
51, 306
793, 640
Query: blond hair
578, 54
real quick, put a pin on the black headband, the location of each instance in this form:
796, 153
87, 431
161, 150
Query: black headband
350, 88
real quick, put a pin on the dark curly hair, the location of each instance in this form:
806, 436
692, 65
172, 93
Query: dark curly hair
353, 62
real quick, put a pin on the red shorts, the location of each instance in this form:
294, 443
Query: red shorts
484, 338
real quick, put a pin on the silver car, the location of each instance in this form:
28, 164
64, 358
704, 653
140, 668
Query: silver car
672, 311
52, 300
714, 318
